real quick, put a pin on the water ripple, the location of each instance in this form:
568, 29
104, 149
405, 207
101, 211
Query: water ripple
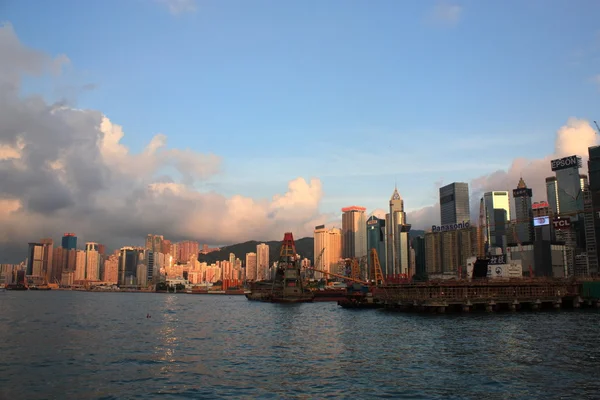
73, 345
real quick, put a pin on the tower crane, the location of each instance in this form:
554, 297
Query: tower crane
597, 127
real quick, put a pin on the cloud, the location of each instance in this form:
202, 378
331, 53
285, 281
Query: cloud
177, 7
573, 138
67, 170
445, 14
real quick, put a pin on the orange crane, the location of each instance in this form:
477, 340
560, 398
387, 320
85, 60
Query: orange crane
376, 268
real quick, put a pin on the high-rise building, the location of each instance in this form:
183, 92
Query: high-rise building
497, 215
568, 180
262, 262
166, 247
92, 262
583, 181
552, 195
251, 269
398, 254
111, 269
154, 243
454, 203
35, 259
187, 249
59, 259
48, 253
69, 241
354, 241
80, 261
594, 186
128, 261
376, 240
524, 214
418, 244
328, 244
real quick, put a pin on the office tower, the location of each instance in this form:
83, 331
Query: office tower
354, 241
48, 253
92, 262
262, 262
128, 261
397, 231
454, 203
111, 269
69, 241
552, 195
327, 245
524, 215
35, 259
251, 269
496, 221
376, 240
568, 181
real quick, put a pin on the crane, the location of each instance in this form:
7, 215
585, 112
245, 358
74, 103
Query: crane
336, 275
318, 259
597, 127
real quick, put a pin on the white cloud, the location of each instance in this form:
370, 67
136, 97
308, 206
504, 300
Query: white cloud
67, 170
177, 7
573, 138
445, 13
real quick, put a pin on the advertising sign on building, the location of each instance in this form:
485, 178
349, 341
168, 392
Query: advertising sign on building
451, 227
540, 204
562, 223
541, 221
523, 192
498, 259
565, 162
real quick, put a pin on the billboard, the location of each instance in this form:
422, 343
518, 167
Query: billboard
498, 259
565, 162
541, 221
540, 204
522, 192
562, 223
451, 227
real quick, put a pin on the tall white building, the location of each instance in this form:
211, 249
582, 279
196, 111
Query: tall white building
92, 262
354, 232
262, 262
80, 262
329, 243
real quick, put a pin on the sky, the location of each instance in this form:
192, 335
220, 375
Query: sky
225, 121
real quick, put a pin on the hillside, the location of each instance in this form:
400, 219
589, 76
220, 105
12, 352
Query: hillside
304, 247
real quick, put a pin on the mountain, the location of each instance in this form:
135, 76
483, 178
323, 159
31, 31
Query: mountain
304, 247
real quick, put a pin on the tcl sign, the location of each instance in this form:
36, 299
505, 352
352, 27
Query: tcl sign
562, 223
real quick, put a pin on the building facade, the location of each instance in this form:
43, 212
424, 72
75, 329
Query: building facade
354, 241
262, 262
398, 247
524, 215
497, 215
327, 245
454, 203
376, 240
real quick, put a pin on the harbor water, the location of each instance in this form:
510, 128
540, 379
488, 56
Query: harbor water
86, 345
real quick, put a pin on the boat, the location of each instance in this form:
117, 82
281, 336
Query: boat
16, 286
287, 286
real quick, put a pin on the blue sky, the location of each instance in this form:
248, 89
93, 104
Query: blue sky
357, 93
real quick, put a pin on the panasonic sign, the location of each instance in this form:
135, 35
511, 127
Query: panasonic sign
451, 227
566, 162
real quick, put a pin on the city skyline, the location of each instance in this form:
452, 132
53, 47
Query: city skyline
94, 164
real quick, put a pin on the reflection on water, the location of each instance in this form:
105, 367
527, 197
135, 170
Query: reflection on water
101, 345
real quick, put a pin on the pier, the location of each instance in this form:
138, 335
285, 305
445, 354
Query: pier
490, 296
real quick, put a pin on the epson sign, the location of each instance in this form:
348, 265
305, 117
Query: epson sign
450, 227
566, 162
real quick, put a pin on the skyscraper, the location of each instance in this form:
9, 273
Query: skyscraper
262, 262
69, 241
92, 262
497, 215
570, 198
376, 240
524, 214
552, 195
454, 203
35, 259
329, 243
154, 243
398, 254
48, 253
251, 266
354, 241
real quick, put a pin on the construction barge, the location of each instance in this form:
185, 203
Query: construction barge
490, 295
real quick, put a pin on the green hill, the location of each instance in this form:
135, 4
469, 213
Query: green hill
304, 247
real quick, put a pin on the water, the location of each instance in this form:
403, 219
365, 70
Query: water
83, 345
